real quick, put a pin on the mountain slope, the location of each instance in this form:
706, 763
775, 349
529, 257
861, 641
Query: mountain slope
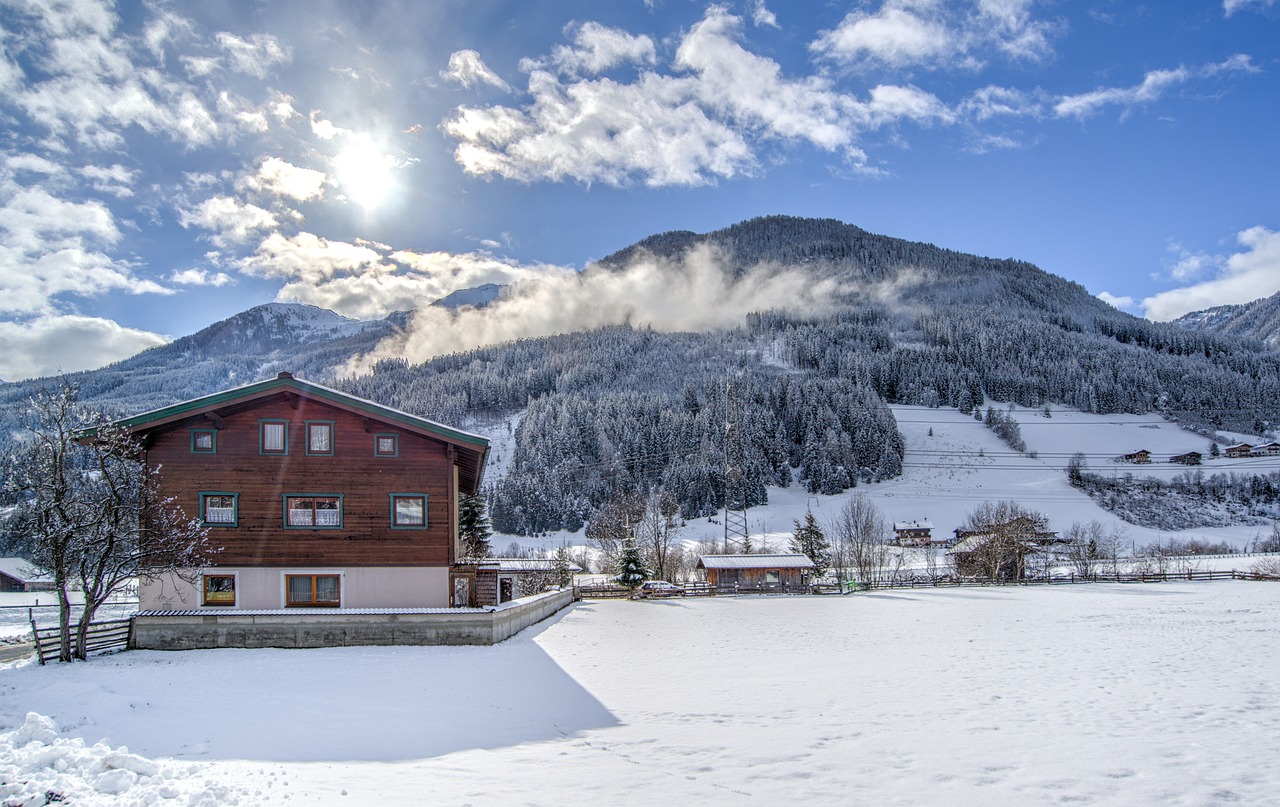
1259, 320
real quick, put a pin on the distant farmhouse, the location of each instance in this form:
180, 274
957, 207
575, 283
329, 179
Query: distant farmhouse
1139, 457
1189, 458
17, 574
913, 533
1000, 551
1239, 451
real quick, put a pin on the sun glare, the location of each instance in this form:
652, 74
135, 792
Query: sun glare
364, 172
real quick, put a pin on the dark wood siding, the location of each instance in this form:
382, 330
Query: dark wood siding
364, 481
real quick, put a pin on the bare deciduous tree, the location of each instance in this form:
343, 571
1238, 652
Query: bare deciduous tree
857, 536
88, 512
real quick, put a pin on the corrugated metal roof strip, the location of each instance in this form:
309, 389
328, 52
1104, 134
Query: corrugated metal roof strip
755, 562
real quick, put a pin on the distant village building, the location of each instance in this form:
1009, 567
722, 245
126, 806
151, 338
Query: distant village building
17, 574
767, 572
1139, 457
1189, 458
913, 533
1000, 551
1239, 451
1270, 449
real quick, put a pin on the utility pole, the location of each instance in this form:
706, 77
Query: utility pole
735, 489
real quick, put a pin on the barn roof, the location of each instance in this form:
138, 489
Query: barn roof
755, 562
472, 448
912, 525
22, 571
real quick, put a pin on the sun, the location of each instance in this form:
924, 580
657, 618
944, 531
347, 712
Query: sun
364, 172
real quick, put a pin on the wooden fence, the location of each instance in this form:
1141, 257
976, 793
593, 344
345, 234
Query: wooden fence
110, 634
698, 589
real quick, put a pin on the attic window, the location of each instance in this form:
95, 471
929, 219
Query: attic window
273, 437
320, 437
204, 441
386, 445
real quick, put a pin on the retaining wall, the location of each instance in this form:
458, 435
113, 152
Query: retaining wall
193, 630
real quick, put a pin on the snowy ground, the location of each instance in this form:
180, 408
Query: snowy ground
1101, 694
962, 463
15, 624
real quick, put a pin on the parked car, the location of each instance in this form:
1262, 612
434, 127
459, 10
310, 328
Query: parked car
658, 588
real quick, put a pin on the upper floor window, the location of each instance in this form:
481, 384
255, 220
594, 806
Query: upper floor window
408, 510
386, 445
320, 437
273, 436
204, 441
313, 511
219, 509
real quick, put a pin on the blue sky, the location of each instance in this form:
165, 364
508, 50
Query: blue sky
166, 165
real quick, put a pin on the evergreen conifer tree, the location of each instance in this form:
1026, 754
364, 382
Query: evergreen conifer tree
473, 526
811, 541
633, 572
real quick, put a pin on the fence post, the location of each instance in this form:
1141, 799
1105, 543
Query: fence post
35, 635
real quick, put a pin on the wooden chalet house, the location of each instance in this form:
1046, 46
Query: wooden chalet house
913, 533
1189, 458
1239, 451
1139, 457
318, 499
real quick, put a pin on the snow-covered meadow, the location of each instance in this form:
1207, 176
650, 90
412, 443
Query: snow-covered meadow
1092, 694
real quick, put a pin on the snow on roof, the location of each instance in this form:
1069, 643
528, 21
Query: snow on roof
530, 565
755, 562
912, 525
22, 570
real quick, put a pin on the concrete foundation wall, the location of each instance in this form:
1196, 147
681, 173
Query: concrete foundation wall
338, 629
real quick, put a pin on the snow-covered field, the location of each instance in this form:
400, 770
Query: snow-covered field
962, 463
1101, 694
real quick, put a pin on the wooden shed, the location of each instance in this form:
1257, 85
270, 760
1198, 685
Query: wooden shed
789, 572
17, 574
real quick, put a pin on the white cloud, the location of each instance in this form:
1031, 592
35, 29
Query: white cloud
310, 258
598, 48
200, 277
52, 344
1232, 6
1188, 265
1114, 301
1153, 86
325, 129
286, 179
761, 16
935, 34
696, 293
232, 221
468, 69
252, 56
1245, 276
114, 179
997, 102
683, 129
